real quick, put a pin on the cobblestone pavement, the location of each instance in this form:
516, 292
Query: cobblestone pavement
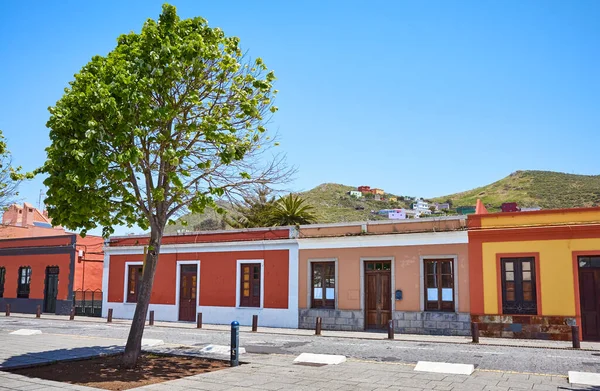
389, 369
508, 358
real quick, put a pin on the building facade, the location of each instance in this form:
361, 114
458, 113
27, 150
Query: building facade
536, 274
225, 275
46, 270
360, 276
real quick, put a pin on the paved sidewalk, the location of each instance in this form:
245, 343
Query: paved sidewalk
344, 334
263, 372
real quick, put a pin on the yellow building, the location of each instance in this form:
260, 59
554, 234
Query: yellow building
536, 274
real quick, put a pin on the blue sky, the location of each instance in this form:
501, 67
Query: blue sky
420, 98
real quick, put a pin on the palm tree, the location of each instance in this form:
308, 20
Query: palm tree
291, 210
253, 211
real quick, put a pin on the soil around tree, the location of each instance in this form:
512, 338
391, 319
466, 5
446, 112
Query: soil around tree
106, 372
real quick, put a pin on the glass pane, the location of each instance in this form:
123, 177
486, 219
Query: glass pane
526, 276
510, 291
432, 294
246, 277
446, 281
246, 269
527, 291
246, 292
378, 266
329, 293
509, 266
447, 294
317, 278
246, 285
370, 266
595, 261
387, 266
431, 281
510, 276
526, 265
193, 287
446, 267
256, 290
330, 283
429, 267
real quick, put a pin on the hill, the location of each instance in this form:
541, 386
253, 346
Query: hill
546, 189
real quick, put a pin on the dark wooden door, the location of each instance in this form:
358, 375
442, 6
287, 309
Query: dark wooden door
589, 291
187, 292
378, 294
51, 289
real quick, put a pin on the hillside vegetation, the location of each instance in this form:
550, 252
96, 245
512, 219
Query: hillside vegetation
546, 189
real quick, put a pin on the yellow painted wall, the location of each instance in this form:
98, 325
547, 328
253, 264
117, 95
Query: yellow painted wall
536, 218
556, 269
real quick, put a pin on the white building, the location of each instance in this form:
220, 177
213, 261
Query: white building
421, 207
354, 193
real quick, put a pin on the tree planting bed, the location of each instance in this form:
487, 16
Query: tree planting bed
107, 373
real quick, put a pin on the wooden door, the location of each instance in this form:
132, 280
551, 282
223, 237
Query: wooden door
378, 294
51, 289
589, 291
187, 292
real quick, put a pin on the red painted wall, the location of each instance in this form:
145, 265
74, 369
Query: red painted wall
89, 268
38, 263
217, 277
221, 237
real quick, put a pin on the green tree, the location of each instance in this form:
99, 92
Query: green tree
292, 210
10, 177
171, 119
254, 211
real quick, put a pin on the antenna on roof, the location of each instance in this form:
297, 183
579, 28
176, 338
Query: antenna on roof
39, 206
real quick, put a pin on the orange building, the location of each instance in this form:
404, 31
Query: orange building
46, 271
225, 275
359, 276
43, 265
536, 274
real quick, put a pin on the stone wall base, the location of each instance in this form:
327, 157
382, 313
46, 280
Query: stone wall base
345, 320
555, 328
29, 306
432, 323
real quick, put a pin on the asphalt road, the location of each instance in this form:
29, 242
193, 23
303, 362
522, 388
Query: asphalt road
519, 359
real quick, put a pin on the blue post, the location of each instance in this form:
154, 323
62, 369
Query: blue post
235, 343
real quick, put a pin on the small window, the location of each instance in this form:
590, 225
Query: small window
24, 282
323, 285
518, 286
2, 278
134, 282
439, 284
250, 285
592, 261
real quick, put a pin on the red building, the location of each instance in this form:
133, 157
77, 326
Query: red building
41, 264
226, 275
47, 270
364, 189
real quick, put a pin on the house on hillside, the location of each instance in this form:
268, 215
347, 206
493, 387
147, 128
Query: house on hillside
364, 189
355, 194
377, 191
421, 207
442, 206
509, 207
42, 265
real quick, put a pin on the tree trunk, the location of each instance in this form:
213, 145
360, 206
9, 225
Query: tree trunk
134, 341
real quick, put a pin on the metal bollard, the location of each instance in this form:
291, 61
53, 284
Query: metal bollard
391, 329
475, 332
318, 326
38, 311
8, 310
575, 337
235, 343
254, 323
199, 321
72, 315
151, 321
109, 317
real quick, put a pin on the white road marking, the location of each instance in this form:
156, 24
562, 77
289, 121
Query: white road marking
26, 332
444, 367
220, 349
152, 342
587, 378
326, 359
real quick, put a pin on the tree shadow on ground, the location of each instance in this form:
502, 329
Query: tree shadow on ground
83, 366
